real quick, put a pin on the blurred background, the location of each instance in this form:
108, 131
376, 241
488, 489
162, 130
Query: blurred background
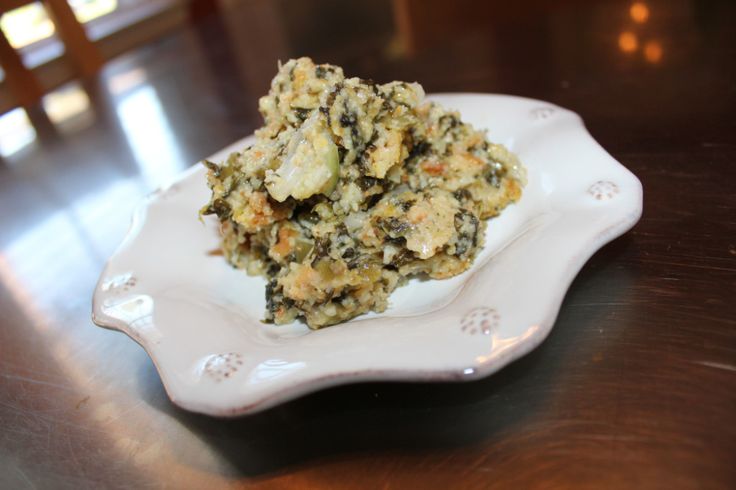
117, 96
103, 101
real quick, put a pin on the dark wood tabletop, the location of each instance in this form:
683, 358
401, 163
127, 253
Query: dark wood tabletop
635, 387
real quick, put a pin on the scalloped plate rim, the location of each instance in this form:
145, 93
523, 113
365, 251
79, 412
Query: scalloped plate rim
471, 370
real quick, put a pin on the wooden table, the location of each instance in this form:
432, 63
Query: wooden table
636, 384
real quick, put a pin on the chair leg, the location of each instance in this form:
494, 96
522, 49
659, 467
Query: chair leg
21, 81
82, 52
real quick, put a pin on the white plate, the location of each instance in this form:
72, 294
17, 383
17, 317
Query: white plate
199, 319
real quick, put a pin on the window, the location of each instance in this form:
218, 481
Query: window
29, 24
86, 10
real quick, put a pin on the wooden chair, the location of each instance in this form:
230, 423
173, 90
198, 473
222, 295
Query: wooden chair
82, 53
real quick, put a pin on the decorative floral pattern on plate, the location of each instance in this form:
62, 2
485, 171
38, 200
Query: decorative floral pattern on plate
481, 320
603, 190
542, 113
120, 283
222, 366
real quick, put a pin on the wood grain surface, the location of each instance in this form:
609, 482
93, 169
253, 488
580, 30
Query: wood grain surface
635, 386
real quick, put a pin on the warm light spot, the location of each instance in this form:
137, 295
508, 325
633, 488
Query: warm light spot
68, 103
86, 10
653, 51
627, 42
639, 12
27, 24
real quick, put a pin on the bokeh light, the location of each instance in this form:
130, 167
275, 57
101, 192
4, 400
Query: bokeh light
639, 12
653, 51
627, 42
